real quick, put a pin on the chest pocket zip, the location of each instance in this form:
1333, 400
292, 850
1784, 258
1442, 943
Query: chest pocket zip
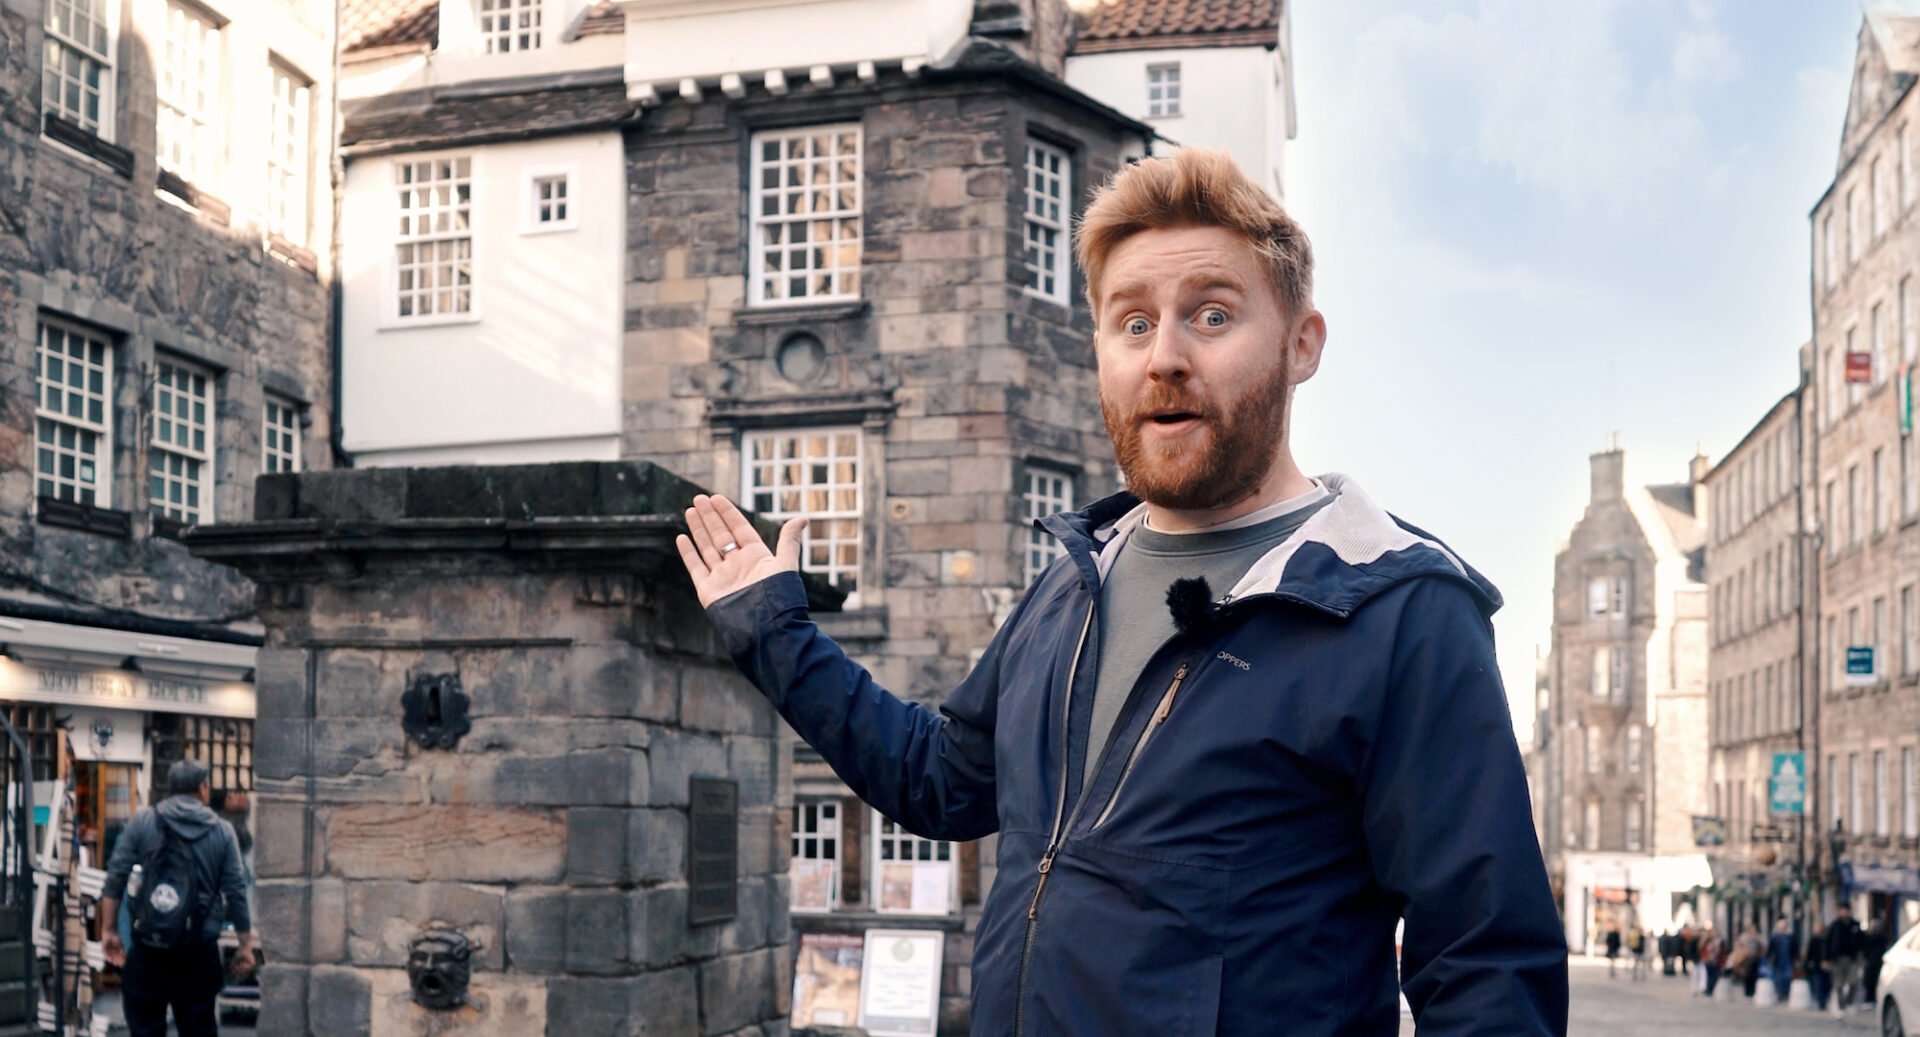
1133, 758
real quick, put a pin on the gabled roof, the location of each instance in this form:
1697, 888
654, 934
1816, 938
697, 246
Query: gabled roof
373, 24
1885, 63
1111, 25
369, 24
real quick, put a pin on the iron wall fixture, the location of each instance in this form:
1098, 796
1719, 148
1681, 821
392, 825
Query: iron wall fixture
439, 966
434, 710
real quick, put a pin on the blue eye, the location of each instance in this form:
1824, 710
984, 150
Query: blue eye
1214, 318
1136, 326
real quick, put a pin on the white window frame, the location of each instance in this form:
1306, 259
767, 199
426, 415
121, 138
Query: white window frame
1597, 596
280, 446
1633, 821
1590, 825
1635, 745
289, 151
841, 249
93, 50
1617, 677
452, 234
1882, 795
1164, 90
1909, 794
511, 35
819, 838
95, 421
1048, 223
1046, 491
531, 204
188, 87
832, 527
1856, 794
1619, 597
189, 439
1835, 797
922, 854
1593, 750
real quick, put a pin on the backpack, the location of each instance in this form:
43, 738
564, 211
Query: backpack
173, 899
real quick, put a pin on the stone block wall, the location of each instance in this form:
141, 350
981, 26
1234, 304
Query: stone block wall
554, 834
101, 246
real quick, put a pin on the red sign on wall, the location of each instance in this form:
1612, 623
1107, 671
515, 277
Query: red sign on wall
1859, 368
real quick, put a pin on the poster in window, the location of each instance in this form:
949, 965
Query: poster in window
900, 982
921, 888
826, 980
813, 885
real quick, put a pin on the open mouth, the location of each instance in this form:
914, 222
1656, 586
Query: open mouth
1173, 417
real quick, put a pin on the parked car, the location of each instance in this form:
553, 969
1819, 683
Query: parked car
1900, 986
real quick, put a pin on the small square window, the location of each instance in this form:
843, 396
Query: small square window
550, 202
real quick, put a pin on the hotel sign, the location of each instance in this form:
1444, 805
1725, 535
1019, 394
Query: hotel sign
121, 689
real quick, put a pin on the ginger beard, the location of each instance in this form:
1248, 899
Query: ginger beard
1223, 463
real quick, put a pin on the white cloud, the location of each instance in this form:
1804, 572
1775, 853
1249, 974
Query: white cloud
1551, 93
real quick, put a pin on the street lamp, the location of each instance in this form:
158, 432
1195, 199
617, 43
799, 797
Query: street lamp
1836, 849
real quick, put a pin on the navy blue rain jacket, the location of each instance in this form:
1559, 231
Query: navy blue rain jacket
1326, 751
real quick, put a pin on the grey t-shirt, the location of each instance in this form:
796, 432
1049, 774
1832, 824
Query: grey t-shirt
1135, 621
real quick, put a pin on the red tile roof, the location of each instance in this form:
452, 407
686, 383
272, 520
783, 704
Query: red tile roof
368, 24
1126, 24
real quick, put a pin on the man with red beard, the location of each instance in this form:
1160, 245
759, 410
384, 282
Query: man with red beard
1248, 724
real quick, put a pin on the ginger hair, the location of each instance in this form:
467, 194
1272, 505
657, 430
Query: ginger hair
1196, 187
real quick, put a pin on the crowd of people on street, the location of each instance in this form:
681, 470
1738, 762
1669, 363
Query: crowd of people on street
1841, 962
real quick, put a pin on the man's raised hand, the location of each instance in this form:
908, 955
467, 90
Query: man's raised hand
724, 553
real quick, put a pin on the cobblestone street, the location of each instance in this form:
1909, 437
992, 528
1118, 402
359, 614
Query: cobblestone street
1663, 1005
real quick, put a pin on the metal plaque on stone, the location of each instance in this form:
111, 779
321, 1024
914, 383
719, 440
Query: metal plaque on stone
713, 850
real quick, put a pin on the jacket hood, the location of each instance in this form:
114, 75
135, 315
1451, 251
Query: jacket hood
187, 816
1347, 552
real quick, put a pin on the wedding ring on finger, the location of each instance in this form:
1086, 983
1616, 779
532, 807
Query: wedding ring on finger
728, 548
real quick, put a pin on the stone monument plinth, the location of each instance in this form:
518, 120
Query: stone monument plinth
497, 738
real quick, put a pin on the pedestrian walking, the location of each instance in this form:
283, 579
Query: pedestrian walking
1743, 962
1232, 669
1689, 949
1819, 979
1712, 952
1874, 947
1780, 957
1846, 958
191, 881
1638, 950
1613, 951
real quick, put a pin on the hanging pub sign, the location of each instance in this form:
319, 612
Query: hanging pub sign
1709, 831
1859, 368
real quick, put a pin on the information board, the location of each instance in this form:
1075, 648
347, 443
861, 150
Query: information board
900, 982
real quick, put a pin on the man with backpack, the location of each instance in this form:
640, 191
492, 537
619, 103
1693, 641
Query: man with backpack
191, 880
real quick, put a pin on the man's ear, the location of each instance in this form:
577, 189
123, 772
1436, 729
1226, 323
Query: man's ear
1305, 341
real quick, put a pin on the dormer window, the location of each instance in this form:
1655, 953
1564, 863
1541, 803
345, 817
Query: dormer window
509, 25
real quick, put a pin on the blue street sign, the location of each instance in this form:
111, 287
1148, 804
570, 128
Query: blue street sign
1787, 784
1860, 669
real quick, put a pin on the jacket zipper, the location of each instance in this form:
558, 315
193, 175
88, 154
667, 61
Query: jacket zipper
1053, 839
1133, 758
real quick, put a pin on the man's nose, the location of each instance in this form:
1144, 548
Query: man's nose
1170, 360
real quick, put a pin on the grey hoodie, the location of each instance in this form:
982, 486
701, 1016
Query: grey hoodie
215, 849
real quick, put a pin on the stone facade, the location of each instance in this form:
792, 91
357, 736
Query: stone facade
945, 391
104, 243
555, 833
1626, 734
1754, 666
1862, 465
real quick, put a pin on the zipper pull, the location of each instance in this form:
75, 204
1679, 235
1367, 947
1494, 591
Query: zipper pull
1046, 868
1166, 701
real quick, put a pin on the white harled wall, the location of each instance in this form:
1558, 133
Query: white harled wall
533, 374
1233, 98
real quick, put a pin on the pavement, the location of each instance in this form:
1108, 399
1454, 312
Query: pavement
1665, 1005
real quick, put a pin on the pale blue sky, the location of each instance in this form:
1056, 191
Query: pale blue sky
1540, 222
